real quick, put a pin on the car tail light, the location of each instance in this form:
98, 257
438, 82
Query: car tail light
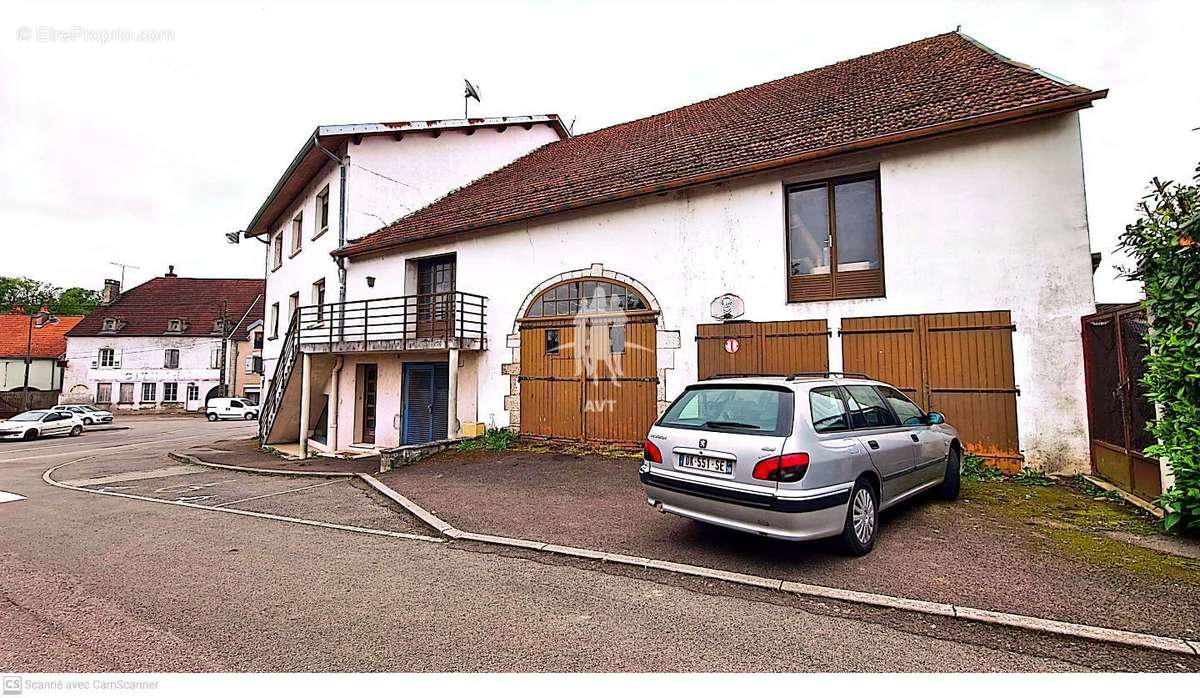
786, 468
650, 452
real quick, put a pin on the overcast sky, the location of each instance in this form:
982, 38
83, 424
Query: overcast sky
146, 151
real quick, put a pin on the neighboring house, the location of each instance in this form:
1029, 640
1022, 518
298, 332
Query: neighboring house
916, 214
45, 344
157, 346
244, 355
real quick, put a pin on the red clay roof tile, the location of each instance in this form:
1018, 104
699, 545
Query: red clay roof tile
49, 342
932, 85
144, 310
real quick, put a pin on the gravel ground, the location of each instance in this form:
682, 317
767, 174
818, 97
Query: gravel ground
983, 551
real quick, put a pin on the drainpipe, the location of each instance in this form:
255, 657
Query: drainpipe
343, 166
333, 404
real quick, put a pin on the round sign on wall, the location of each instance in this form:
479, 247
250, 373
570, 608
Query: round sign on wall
732, 345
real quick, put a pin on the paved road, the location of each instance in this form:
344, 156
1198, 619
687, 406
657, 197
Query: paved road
90, 582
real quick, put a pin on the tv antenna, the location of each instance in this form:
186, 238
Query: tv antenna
471, 92
123, 268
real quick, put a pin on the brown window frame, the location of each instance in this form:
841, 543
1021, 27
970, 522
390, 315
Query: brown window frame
796, 295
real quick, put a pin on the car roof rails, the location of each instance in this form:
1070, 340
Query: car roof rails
828, 374
744, 375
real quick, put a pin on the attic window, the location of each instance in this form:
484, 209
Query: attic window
175, 326
110, 325
218, 326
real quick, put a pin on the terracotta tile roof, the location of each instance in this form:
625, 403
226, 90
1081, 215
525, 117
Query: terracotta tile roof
143, 311
934, 85
49, 342
242, 331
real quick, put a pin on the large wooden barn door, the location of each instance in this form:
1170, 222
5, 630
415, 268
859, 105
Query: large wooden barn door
620, 393
960, 364
763, 348
551, 390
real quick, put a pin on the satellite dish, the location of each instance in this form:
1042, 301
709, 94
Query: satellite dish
472, 91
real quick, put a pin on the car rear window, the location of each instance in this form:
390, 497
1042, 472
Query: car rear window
735, 409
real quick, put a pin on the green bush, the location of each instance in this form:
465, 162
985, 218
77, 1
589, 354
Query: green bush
975, 468
492, 440
1163, 242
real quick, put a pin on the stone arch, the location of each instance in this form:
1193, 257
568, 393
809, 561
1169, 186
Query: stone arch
667, 340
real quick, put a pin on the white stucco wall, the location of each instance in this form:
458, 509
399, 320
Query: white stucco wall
386, 180
988, 221
44, 374
141, 361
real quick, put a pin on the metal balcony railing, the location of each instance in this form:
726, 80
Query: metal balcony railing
451, 320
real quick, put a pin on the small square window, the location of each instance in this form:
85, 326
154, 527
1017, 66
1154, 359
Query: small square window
616, 339
552, 341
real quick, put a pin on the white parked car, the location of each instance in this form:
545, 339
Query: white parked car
230, 408
35, 424
87, 414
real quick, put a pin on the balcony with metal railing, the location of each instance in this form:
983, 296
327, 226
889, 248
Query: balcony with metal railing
420, 322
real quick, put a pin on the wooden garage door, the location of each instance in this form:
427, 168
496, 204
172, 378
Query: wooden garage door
764, 348
600, 384
960, 364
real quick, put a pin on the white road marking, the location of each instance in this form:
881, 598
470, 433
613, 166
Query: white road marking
6, 497
240, 512
276, 494
138, 475
101, 449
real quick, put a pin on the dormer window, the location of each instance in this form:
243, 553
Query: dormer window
110, 325
176, 326
218, 326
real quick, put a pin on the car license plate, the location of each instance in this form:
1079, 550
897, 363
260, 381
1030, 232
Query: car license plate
708, 464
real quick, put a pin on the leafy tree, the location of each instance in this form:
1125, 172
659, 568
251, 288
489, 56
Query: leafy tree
27, 296
1165, 242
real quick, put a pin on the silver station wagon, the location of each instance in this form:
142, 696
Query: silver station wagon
797, 458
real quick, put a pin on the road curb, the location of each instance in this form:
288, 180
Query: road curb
192, 460
94, 428
1011, 620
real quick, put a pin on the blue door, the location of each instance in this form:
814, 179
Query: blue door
426, 405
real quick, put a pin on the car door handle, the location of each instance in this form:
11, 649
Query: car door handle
914, 437
873, 444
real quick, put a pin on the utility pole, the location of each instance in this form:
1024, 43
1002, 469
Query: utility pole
224, 391
43, 317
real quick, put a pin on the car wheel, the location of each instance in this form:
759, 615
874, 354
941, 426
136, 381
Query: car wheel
88, 421
212, 416
250, 416
862, 519
76, 430
948, 490
30, 435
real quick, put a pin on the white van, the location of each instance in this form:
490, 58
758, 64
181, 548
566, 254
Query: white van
230, 408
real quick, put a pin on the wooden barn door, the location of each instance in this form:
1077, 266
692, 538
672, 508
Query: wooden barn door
620, 393
763, 348
551, 388
960, 364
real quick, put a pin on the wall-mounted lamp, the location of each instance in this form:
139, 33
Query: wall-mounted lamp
370, 282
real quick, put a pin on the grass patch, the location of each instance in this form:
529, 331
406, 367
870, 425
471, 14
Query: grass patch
493, 440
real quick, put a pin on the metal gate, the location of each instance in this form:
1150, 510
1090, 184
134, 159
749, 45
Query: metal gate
960, 364
762, 348
589, 379
1118, 412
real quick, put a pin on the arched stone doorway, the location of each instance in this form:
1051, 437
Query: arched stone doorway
587, 365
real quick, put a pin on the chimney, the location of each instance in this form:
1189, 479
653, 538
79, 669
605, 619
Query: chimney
171, 271
112, 291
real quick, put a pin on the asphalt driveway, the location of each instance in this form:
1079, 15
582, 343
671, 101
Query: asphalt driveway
1048, 551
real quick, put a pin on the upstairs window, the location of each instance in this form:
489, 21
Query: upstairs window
318, 299
274, 320
322, 212
175, 326
110, 325
107, 358
171, 358
297, 232
277, 251
834, 241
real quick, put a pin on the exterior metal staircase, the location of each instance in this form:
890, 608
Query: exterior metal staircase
279, 381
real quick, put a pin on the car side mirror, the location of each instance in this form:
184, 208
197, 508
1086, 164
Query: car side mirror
935, 418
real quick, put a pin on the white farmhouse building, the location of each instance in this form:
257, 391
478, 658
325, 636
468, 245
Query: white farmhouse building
157, 346
916, 214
